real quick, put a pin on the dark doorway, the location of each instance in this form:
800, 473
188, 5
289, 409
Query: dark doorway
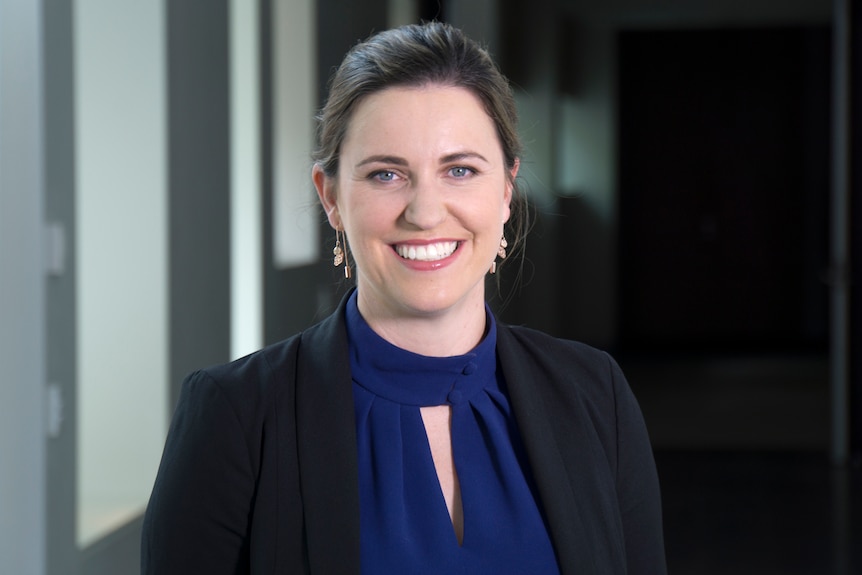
724, 189
724, 183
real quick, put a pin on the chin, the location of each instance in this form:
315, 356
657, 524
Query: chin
437, 303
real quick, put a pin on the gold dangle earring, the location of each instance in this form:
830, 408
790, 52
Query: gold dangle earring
340, 253
501, 253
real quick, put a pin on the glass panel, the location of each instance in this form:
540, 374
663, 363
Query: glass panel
246, 291
122, 258
295, 211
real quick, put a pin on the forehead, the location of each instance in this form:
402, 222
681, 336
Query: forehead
432, 110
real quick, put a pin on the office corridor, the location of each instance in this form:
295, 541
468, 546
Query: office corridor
760, 513
742, 454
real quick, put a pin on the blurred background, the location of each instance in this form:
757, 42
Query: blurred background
690, 166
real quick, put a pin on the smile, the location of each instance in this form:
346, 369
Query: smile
427, 253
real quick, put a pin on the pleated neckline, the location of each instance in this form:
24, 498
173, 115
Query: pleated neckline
409, 378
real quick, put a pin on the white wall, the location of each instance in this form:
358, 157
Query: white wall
121, 211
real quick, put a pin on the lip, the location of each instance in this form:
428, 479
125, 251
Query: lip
420, 265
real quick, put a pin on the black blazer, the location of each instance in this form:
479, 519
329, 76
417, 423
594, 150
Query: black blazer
259, 471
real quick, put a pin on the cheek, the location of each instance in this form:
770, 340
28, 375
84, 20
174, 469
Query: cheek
366, 221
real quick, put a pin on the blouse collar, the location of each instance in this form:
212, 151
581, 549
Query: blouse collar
413, 379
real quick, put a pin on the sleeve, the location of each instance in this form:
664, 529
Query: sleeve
637, 482
198, 515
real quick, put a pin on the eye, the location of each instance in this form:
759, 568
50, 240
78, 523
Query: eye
461, 171
384, 176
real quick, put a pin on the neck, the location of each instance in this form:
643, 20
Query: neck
438, 334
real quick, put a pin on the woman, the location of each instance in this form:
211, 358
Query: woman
410, 432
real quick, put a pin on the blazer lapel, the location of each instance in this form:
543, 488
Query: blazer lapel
326, 438
570, 518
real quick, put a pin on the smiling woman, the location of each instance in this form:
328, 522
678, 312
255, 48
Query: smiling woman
410, 432
406, 197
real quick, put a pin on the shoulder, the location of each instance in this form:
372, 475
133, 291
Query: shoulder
555, 353
265, 378
568, 375
249, 376
259, 367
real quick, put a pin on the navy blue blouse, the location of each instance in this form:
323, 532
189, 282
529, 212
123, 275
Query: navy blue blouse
405, 525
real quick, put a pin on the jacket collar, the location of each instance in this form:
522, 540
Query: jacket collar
326, 446
563, 464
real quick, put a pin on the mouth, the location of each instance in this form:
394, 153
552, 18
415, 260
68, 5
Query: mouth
427, 252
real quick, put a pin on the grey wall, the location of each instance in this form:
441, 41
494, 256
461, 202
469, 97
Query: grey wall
61, 320
22, 327
198, 185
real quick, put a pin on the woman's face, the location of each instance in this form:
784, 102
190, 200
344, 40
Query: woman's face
422, 193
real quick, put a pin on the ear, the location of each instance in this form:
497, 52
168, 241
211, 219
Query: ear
510, 186
325, 187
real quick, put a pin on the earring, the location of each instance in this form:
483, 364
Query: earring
501, 253
337, 252
340, 254
502, 249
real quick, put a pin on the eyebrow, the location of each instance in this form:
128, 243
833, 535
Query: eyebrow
399, 161
382, 160
462, 156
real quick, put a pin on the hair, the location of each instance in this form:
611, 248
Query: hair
417, 55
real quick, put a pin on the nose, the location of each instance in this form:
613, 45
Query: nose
426, 207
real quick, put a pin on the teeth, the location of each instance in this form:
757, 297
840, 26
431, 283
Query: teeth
427, 253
